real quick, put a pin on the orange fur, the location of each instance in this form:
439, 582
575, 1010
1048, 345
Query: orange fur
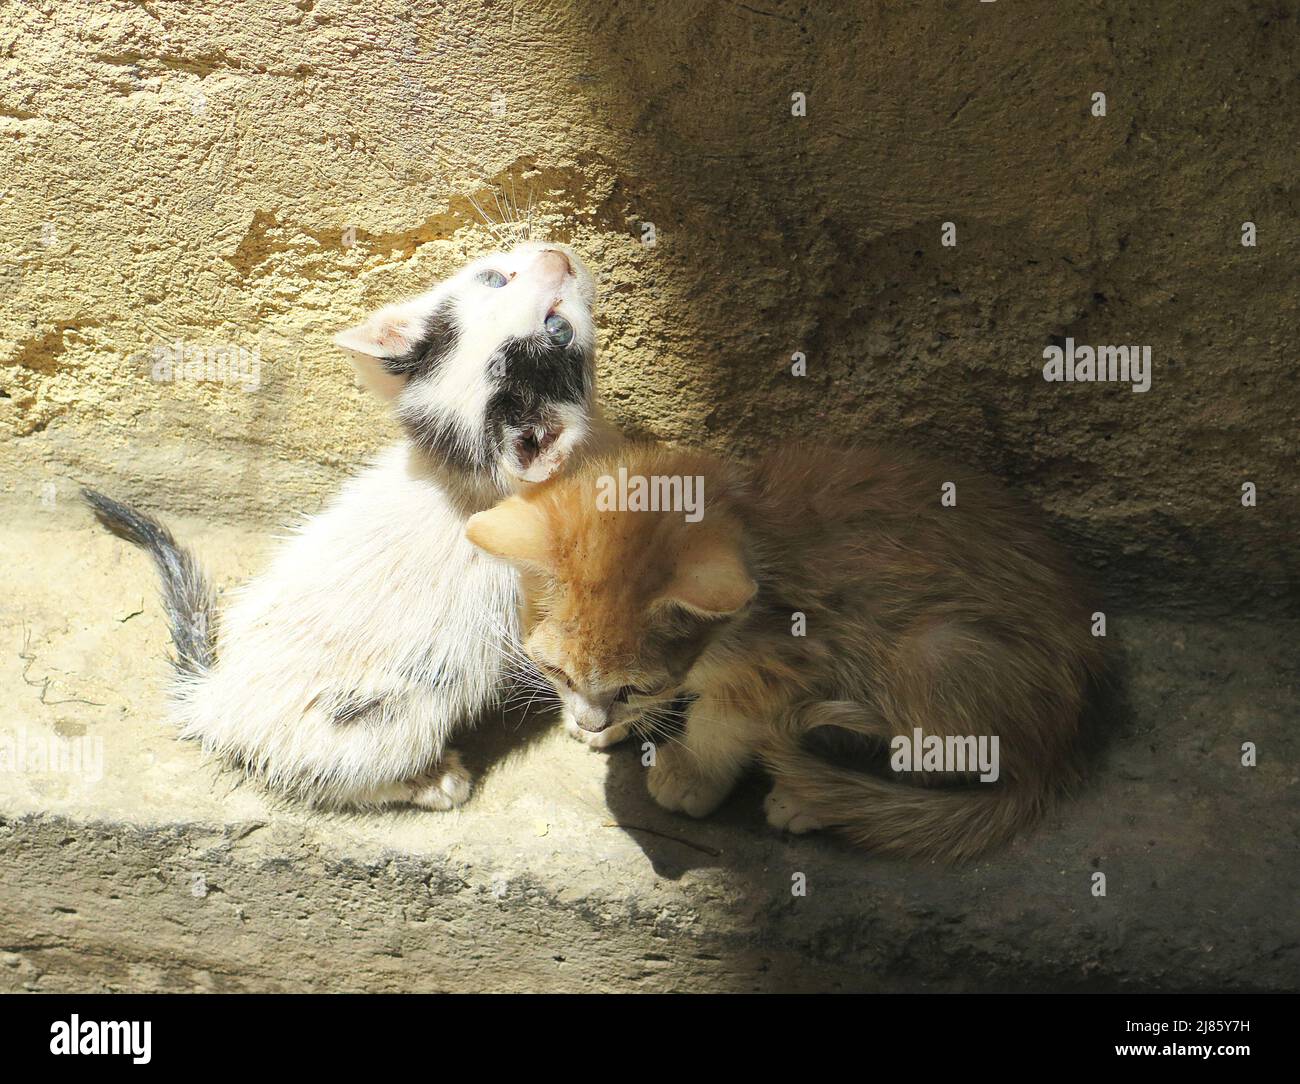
957, 620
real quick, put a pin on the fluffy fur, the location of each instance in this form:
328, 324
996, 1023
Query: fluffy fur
341, 673
957, 620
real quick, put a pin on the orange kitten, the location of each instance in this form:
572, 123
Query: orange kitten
906, 607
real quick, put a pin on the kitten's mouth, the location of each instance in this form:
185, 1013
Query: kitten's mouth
536, 456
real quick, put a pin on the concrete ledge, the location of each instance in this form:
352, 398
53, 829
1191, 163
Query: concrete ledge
562, 875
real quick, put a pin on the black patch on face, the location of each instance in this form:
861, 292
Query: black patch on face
526, 376
530, 375
425, 356
437, 435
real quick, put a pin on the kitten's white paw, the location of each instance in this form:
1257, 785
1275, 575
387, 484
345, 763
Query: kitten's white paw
611, 735
683, 791
788, 814
446, 787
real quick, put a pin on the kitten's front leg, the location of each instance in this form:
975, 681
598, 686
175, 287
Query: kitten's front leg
695, 773
444, 786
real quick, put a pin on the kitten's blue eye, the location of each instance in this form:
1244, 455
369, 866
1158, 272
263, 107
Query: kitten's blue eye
492, 278
559, 330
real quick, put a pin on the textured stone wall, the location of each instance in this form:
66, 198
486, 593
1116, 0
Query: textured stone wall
259, 175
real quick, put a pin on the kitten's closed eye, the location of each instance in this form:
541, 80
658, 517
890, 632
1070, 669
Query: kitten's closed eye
557, 674
621, 697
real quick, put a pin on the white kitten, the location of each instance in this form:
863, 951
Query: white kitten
378, 630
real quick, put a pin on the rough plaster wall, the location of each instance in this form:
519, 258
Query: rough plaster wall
182, 171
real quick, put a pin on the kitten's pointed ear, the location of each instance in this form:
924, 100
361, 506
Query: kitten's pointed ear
388, 333
711, 578
514, 530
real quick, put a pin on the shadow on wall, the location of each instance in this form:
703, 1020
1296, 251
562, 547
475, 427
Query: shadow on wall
917, 200
920, 201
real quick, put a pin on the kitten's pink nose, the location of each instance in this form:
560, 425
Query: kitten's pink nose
593, 720
552, 266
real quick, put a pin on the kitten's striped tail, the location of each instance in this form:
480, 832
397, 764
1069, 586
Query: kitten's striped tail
947, 823
186, 593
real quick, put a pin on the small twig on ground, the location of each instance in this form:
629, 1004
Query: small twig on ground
28, 658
